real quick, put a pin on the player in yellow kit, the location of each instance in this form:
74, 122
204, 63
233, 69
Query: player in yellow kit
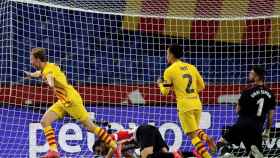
69, 101
186, 82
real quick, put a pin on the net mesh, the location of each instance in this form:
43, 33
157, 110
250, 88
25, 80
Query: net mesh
114, 51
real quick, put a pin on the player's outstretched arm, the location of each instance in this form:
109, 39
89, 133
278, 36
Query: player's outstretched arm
35, 74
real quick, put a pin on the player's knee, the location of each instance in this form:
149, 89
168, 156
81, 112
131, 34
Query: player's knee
88, 124
44, 122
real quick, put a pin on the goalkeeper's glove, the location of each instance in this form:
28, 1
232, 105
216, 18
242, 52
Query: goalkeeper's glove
266, 133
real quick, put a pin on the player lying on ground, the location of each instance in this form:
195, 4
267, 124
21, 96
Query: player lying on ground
147, 138
126, 149
186, 82
69, 101
255, 105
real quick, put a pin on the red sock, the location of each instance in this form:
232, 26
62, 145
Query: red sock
121, 135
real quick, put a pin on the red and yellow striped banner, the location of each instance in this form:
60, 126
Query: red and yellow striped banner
259, 31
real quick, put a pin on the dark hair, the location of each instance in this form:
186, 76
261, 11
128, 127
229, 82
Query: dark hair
39, 53
259, 70
176, 50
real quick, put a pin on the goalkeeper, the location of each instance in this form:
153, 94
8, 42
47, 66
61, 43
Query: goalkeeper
256, 106
69, 101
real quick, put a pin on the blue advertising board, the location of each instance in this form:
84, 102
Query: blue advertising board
24, 136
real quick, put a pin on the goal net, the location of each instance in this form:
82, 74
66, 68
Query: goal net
113, 52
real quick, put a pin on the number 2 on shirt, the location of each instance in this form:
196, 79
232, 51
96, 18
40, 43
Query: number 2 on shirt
189, 85
260, 103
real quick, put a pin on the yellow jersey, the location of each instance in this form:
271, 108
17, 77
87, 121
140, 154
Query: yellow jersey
186, 82
63, 91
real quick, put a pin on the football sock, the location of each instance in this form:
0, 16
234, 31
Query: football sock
50, 137
202, 135
104, 136
121, 135
200, 148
